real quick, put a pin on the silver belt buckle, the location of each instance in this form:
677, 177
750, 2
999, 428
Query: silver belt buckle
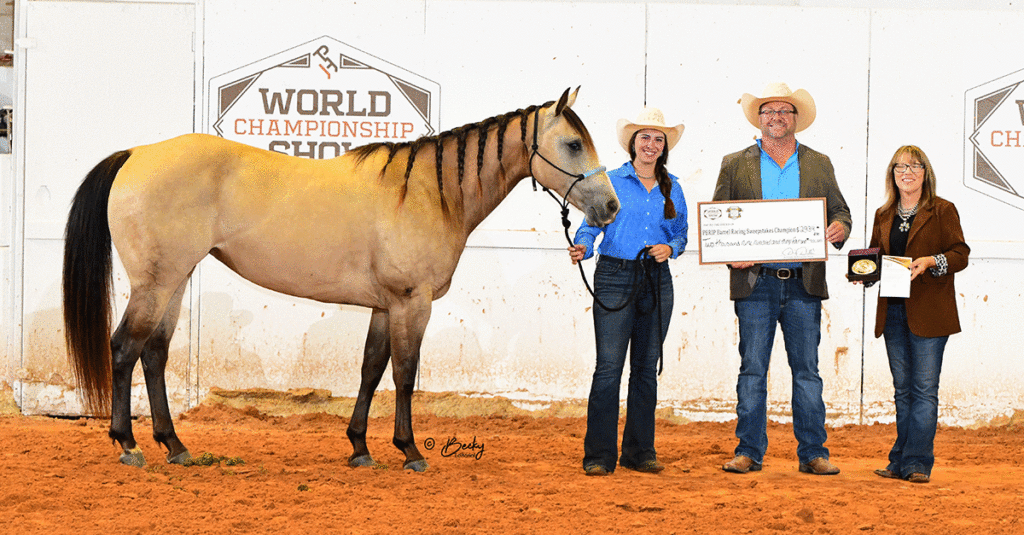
783, 273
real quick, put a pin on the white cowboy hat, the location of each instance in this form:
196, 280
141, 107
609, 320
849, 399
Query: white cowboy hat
780, 92
648, 118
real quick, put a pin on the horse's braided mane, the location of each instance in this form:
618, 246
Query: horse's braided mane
498, 123
460, 135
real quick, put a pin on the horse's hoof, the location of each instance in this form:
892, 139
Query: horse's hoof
133, 457
362, 460
180, 458
417, 466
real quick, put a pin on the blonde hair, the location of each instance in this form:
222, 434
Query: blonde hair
892, 193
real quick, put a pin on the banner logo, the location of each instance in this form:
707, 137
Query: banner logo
994, 148
712, 213
320, 99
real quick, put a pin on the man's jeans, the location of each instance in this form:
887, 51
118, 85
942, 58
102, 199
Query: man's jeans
915, 362
636, 326
787, 303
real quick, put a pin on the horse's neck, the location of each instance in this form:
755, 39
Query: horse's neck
494, 181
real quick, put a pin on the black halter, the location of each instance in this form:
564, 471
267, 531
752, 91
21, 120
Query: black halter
564, 202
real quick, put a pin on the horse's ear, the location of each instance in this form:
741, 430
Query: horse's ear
566, 100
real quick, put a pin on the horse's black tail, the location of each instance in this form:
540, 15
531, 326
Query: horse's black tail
88, 284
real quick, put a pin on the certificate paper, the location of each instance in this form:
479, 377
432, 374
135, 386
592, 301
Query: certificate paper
790, 230
895, 276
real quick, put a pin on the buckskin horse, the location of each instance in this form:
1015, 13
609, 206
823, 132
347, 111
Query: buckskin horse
382, 226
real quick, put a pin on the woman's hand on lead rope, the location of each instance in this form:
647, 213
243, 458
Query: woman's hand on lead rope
576, 253
660, 252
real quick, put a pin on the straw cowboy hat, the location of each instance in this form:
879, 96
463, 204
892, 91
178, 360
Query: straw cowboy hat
648, 118
780, 92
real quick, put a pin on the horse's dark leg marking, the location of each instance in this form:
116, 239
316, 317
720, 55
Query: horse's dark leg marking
154, 364
408, 322
375, 360
126, 347
125, 353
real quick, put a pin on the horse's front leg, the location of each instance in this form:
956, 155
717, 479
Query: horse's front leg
375, 361
408, 322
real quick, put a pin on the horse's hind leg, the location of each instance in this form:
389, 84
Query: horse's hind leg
154, 363
141, 318
375, 361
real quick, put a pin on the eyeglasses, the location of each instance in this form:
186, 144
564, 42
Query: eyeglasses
903, 168
772, 113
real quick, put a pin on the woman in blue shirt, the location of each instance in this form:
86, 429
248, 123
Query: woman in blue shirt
652, 219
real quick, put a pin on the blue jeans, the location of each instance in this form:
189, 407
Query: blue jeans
786, 303
637, 327
915, 362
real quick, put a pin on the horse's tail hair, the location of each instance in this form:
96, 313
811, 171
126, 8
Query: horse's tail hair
88, 284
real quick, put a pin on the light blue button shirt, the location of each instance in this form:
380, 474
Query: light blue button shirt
641, 219
780, 183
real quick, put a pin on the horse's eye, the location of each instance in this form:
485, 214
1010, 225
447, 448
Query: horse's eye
575, 146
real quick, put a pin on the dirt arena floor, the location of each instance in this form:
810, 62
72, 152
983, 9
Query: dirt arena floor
515, 472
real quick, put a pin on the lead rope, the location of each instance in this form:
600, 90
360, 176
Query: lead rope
639, 266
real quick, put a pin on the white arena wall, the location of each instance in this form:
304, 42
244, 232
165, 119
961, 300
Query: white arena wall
517, 320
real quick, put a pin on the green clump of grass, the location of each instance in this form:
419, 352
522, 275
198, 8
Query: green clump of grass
205, 459
209, 459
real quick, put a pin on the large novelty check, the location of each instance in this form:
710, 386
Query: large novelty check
791, 230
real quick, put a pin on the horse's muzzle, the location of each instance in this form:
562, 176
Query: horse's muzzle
600, 216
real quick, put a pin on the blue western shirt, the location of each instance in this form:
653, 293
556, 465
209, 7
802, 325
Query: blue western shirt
641, 219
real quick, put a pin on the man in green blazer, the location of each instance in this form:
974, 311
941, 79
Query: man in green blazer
788, 293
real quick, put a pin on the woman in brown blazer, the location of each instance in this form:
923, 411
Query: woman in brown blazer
915, 223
